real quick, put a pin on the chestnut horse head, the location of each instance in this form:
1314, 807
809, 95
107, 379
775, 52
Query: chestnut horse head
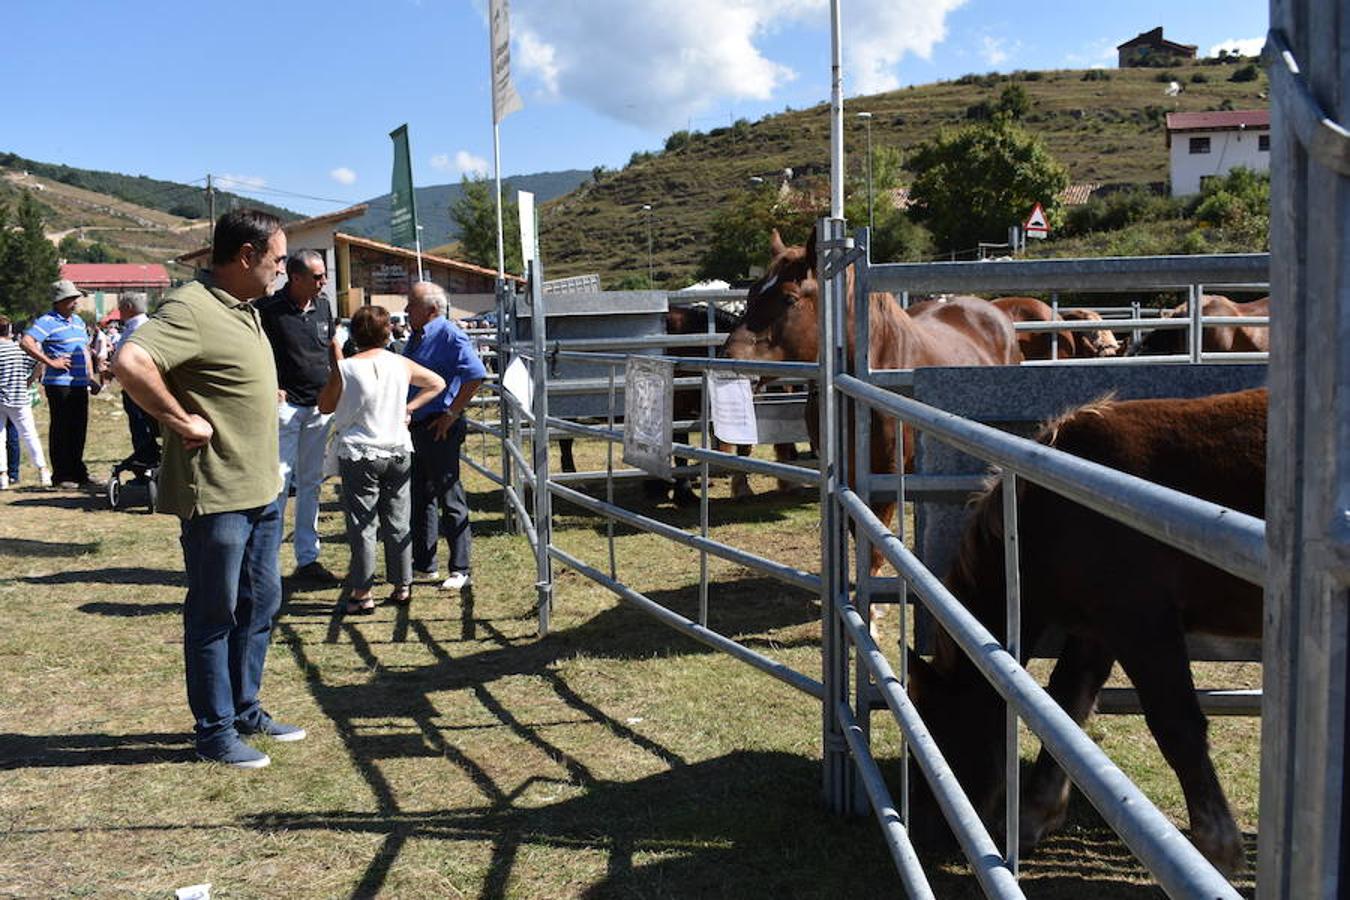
780, 310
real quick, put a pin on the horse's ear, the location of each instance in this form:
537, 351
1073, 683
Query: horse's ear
776, 245
811, 250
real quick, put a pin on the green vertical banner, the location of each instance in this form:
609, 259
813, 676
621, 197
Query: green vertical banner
403, 218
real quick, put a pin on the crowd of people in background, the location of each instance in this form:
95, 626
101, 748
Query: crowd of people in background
257, 395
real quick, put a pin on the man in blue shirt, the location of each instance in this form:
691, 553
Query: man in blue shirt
438, 431
59, 340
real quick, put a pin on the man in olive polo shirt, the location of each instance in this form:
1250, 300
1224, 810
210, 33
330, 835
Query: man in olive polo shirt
203, 367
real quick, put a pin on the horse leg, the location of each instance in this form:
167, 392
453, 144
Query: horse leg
876, 613
682, 493
1155, 661
1083, 667
785, 453
569, 464
740, 482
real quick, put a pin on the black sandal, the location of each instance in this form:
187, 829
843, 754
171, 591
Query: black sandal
363, 607
401, 596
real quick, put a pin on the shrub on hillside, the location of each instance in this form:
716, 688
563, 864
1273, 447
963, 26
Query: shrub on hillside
1096, 75
1249, 72
1199, 78
677, 140
1165, 77
1120, 210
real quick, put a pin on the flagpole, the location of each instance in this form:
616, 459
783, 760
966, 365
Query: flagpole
497, 196
836, 114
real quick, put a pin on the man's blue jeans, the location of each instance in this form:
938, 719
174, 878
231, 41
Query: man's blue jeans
234, 592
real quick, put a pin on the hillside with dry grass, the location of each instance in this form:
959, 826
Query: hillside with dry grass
1106, 126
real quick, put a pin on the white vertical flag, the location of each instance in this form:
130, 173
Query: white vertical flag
505, 100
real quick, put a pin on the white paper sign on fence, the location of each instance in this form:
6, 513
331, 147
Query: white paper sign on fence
733, 410
648, 399
517, 381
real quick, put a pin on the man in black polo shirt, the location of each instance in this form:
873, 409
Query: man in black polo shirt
299, 323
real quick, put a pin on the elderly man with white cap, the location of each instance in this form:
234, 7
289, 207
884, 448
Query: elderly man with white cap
60, 341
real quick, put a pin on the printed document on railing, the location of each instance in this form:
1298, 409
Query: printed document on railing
733, 410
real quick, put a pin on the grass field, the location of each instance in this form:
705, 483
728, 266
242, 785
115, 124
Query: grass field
450, 751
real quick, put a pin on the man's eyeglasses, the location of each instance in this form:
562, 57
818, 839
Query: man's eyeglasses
321, 276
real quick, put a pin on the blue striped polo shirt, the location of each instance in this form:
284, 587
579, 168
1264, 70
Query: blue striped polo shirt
59, 336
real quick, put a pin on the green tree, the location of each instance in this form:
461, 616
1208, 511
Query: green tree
741, 229
895, 238
1014, 102
972, 184
27, 260
476, 215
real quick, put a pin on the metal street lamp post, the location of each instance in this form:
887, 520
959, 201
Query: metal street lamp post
647, 208
871, 221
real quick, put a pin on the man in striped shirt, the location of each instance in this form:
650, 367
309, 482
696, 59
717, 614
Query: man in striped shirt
59, 340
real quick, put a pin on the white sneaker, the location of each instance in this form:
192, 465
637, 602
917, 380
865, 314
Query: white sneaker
4, 482
426, 574
45, 477
456, 581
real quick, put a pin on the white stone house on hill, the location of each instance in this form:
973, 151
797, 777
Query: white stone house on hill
1208, 144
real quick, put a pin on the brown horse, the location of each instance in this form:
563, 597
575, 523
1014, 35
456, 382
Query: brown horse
689, 403
1036, 344
1091, 344
1068, 344
1214, 338
780, 325
1119, 596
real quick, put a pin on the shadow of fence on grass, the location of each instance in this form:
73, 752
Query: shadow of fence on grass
33, 751
30, 547
140, 575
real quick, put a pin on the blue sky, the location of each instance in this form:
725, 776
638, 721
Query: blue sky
298, 97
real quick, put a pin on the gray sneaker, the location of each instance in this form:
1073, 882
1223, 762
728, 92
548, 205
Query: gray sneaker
239, 755
269, 727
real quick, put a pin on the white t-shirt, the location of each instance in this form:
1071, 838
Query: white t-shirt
370, 419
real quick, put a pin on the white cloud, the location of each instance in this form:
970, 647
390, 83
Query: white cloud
1093, 55
468, 164
656, 64
244, 182
343, 175
462, 163
996, 51
1245, 46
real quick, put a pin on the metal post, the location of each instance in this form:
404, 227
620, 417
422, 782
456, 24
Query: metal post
1013, 643
211, 213
543, 501
1196, 310
836, 114
1054, 336
706, 412
838, 769
857, 421
504, 411
1303, 828
417, 243
647, 208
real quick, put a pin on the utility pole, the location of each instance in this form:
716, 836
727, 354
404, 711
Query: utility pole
211, 213
871, 220
647, 208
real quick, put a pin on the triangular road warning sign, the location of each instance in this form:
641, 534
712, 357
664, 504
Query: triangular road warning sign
1036, 223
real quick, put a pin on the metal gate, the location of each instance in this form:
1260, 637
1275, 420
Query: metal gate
1307, 569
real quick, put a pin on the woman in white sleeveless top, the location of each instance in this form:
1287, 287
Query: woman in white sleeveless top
368, 395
